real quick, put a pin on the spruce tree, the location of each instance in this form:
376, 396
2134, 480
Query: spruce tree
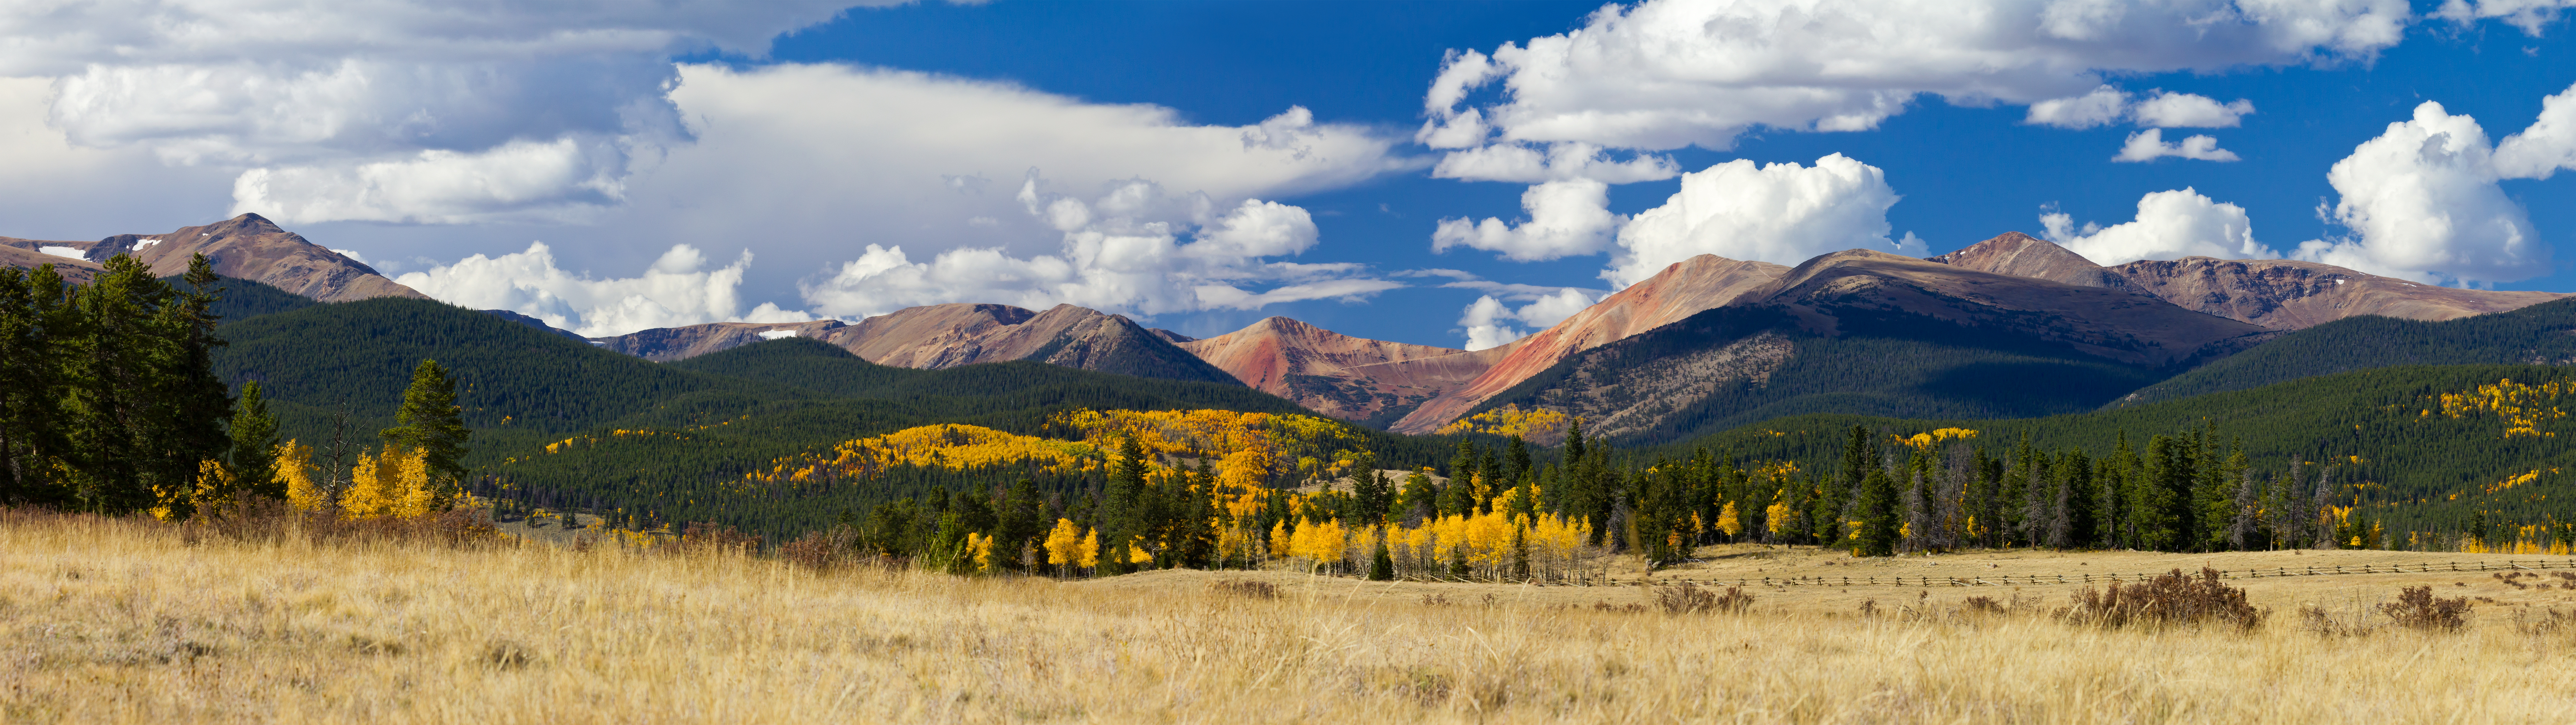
33, 337
254, 434
1880, 513
144, 409
1381, 566
1118, 507
431, 422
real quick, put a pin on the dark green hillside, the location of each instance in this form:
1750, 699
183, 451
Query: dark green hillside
360, 355
244, 299
2542, 334
822, 368
2410, 464
669, 439
1881, 362
688, 468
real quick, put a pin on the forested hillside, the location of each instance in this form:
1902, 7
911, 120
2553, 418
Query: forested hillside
622, 430
2423, 449
2542, 334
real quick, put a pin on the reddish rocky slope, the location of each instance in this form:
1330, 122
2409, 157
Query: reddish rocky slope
1681, 290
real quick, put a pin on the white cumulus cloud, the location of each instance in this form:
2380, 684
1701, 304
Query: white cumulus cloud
2532, 16
1664, 74
2547, 146
1781, 213
1557, 162
2187, 110
1489, 322
2422, 203
2149, 145
386, 110
1122, 251
676, 290
2107, 105
1566, 218
2102, 107
2169, 225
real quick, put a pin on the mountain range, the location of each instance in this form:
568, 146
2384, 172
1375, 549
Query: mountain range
2012, 326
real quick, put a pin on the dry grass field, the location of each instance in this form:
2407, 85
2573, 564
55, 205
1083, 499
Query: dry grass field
122, 621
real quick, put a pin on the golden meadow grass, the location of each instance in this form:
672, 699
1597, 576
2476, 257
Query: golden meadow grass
132, 621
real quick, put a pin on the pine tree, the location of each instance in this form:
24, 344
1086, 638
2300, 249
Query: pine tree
1381, 566
1879, 511
254, 435
33, 440
431, 422
144, 410
1119, 508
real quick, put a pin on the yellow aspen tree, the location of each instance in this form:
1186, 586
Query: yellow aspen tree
295, 471
366, 497
416, 494
1281, 543
1089, 550
1063, 543
1730, 521
1137, 553
982, 547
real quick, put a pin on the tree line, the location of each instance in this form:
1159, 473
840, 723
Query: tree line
110, 403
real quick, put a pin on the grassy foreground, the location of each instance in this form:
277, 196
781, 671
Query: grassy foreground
131, 621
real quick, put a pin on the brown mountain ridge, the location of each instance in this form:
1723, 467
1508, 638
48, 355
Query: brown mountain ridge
243, 247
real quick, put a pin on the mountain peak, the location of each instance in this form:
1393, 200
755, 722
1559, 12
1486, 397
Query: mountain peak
2022, 255
1338, 375
248, 247
1682, 289
963, 333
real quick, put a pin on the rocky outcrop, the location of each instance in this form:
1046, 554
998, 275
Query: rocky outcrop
946, 336
2289, 295
666, 344
1682, 289
2021, 255
1335, 374
243, 247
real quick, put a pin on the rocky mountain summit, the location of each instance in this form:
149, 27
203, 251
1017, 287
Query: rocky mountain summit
243, 247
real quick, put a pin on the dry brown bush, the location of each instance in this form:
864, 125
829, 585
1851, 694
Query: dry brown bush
2417, 608
1691, 599
825, 550
2170, 599
708, 536
1244, 588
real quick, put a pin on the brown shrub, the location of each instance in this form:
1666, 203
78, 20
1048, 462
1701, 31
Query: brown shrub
2318, 620
720, 538
2171, 599
2417, 608
824, 550
2543, 623
1690, 599
1245, 588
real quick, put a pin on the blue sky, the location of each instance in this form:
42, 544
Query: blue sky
805, 134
